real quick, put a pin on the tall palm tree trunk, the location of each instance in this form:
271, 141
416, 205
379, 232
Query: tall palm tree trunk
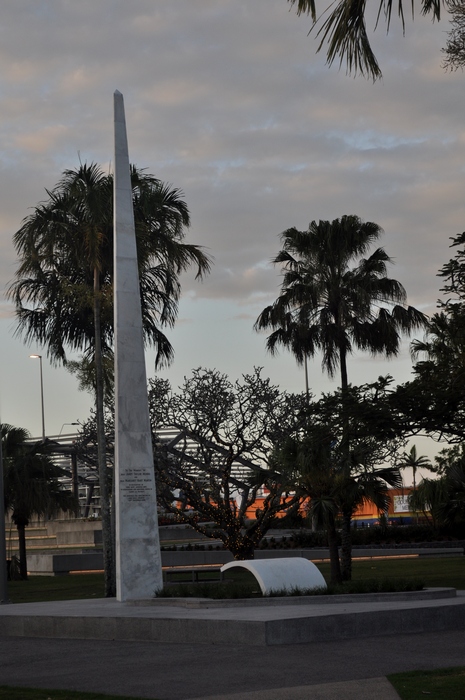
108, 558
346, 545
415, 512
335, 566
343, 364
346, 539
21, 527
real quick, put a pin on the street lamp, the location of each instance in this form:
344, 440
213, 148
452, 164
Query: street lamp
39, 357
3, 564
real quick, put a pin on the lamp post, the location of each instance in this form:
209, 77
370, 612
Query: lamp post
75, 423
39, 357
3, 564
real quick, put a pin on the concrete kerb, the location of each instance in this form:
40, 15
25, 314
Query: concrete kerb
245, 623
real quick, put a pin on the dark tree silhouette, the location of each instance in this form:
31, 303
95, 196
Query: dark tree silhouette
31, 484
63, 289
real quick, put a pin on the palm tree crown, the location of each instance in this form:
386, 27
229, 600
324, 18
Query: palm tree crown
32, 484
334, 301
65, 251
412, 460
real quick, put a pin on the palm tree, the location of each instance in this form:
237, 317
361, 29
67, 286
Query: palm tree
65, 250
452, 509
31, 484
367, 486
314, 468
443, 500
412, 460
332, 301
63, 288
444, 342
428, 498
344, 29
306, 466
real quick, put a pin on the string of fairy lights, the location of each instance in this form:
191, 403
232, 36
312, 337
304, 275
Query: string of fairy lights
197, 478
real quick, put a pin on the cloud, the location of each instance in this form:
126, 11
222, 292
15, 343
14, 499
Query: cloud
43, 140
6, 310
227, 100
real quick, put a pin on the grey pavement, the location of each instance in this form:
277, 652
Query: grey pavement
370, 688
343, 669
190, 669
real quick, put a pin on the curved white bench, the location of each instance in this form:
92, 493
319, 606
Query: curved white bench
284, 574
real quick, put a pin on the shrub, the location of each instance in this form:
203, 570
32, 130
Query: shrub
250, 589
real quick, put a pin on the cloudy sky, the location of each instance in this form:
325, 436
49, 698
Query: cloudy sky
227, 100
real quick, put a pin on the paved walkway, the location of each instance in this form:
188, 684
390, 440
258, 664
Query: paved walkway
346, 669
369, 689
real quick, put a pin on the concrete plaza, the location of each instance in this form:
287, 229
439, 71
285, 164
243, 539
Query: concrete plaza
42, 646
345, 669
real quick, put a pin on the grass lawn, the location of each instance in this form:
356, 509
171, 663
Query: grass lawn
45, 588
442, 684
434, 571
10, 693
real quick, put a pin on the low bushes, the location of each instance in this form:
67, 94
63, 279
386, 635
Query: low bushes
250, 589
378, 535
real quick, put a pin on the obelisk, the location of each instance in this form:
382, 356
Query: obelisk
138, 560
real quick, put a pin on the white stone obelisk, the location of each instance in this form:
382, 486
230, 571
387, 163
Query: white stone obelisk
138, 559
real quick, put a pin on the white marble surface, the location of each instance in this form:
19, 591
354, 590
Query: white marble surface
286, 574
138, 560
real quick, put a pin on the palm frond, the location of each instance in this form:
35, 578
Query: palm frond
69, 237
345, 34
333, 301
